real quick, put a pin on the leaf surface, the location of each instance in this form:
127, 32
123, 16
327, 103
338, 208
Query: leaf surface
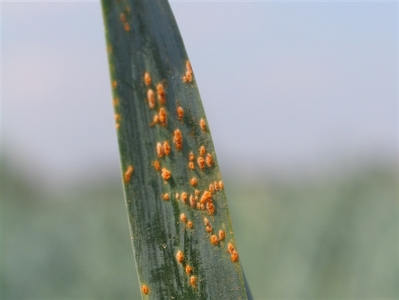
174, 192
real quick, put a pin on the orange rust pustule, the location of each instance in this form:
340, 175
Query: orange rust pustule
222, 235
178, 139
122, 17
180, 113
188, 77
234, 256
211, 188
126, 26
201, 162
128, 174
233, 252
156, 165
183, 218
221, 185
214, 239
162, 116
191, 165
206, 196
202, 124
193, 281
165, 197
145, 290
193, 181
166, 148
184, 197
155, 120
192, 201
114, 84
151, 99
208, 228
191, 156
189, 68
161, 94
165, 174
210, 207
147, 78
216, 185
189, 73
159, 150
209, 160
190, 224
180, 256
189, 269
202, 151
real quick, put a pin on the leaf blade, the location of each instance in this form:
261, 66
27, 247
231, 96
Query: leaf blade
143, 37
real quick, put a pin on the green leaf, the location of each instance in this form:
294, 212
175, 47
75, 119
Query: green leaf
143, 38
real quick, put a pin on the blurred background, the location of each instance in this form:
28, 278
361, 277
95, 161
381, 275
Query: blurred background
301, 98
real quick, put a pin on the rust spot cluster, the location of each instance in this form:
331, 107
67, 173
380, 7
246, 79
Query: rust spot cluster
192, 280
213, 238
161, 116
184, 219
201, 161
124, 21
198, 199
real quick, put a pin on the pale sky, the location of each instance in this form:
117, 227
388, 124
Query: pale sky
284, 85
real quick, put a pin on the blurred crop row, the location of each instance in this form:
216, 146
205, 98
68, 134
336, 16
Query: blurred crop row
323, 238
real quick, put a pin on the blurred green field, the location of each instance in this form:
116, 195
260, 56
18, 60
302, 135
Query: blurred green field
330, 237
